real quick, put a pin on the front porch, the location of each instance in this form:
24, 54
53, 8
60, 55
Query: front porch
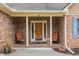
38, 31
38, 27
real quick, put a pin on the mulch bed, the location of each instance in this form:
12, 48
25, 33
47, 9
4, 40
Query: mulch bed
65, 51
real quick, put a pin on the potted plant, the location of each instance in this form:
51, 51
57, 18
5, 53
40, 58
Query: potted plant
7, 49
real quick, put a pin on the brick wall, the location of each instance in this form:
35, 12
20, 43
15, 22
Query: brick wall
61, 30
6, 30
58, 26
74, 41
19, 24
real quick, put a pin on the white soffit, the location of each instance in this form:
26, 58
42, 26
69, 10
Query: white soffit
23, 7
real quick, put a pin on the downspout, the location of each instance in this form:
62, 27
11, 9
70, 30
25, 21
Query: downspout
65, 31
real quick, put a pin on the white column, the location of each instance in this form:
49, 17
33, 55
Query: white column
34, 31
27, 39
50, 30
43, 30
65, 31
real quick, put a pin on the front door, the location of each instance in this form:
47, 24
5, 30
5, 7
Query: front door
38, 29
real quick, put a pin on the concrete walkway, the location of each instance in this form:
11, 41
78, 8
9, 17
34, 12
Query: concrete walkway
35, 52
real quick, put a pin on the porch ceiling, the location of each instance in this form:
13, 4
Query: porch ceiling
38, 6
34, 9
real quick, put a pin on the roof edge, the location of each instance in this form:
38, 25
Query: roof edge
66, 8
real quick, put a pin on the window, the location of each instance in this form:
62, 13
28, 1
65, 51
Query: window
75, 27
